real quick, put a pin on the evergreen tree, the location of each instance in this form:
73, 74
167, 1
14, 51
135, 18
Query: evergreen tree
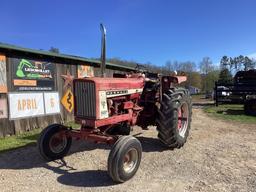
225, 76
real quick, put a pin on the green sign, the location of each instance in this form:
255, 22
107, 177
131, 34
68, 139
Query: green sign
32, 75
29, 70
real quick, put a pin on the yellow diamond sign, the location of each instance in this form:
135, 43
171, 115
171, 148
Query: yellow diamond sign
68, 101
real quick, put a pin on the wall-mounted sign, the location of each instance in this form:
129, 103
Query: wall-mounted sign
31, 75
26, 105
51, 103
68, 101
84, 71
3, 84
3, 108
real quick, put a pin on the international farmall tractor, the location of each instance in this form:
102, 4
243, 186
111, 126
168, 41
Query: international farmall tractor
107, 108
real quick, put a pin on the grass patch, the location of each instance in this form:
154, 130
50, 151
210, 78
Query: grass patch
24, 139
17, 141
73, 125
198, 96
230, 112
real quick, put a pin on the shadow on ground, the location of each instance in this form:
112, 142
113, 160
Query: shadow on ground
28, 158
150, 144
89, 178
28, 139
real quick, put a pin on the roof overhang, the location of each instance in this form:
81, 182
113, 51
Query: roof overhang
10, 50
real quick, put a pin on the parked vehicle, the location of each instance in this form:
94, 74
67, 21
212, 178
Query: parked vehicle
242, 91
106, 108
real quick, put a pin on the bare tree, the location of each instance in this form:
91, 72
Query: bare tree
206, 67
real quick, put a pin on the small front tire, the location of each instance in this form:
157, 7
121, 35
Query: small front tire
53, 143
124, 159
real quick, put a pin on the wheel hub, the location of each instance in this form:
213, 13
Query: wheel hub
183, 114
130, 160
57, 143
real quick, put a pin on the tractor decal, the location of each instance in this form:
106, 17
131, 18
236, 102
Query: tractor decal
114, 93
103, 105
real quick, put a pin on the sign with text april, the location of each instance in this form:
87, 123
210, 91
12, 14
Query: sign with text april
26, 105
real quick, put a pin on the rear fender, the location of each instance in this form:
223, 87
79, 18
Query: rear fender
171, 81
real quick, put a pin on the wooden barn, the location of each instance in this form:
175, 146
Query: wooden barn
35, 88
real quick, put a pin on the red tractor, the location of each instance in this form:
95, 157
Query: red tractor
107, 108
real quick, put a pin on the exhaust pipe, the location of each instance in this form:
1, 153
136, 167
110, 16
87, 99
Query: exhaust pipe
103, 50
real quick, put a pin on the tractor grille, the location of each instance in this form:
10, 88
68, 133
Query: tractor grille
85, 99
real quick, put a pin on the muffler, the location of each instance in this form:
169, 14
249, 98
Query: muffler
103, 50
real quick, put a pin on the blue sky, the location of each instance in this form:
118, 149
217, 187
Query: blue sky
141, 30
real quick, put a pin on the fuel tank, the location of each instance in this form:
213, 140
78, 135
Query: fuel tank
116, 83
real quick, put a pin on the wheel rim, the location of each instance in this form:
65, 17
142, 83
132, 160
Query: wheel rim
130, 160
57, 143
183, 119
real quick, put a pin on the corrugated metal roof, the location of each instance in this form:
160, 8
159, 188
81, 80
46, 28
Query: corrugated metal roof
94, 62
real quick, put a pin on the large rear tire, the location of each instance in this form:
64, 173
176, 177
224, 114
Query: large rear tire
174, 117
124, 158
52, 144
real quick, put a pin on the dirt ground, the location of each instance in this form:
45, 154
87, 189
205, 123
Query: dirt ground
218, 156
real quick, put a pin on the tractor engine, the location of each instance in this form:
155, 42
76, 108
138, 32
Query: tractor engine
101, 102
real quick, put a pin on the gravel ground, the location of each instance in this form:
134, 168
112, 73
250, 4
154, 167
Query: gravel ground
218, 156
